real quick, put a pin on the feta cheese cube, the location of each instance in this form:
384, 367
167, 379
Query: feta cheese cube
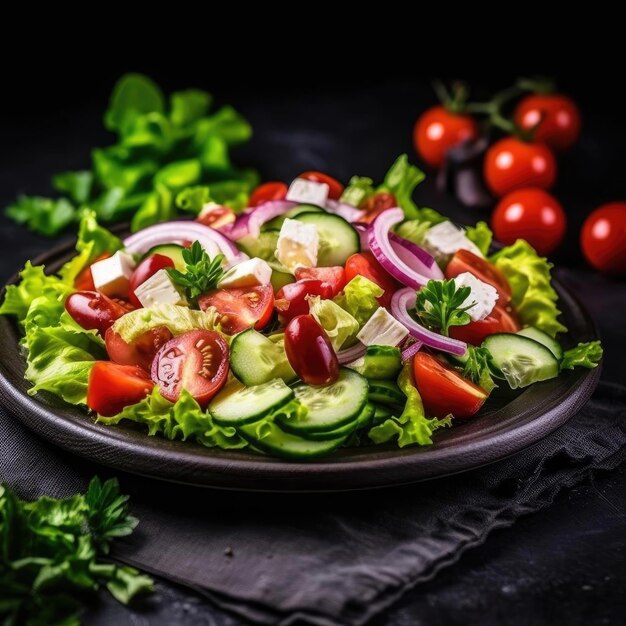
111, 276
159, 289
382, 329
482, 296
444, 239
247, 274
297, 245
307, 192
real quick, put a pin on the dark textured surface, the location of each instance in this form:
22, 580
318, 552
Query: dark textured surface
564, 565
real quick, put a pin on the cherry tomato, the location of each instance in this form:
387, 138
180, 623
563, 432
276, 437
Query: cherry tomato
147, 268
555, 118
376, 204
532, 214
111, 387
310, 352
335, 188
335, 277
242, 307
437, 130
466, 261
500, 320
93, 310
274, 190
365, 264
511, 163
603, 238
216, 216
291, 299
444, 390
84, 280
196, 361
141, 351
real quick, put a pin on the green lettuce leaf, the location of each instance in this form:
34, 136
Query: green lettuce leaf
415, 229
189, 106
77, 185
339, 325
481, 236
401, 180
359, 189
43, 215
583, 355
532, 294
359, 298
412, 427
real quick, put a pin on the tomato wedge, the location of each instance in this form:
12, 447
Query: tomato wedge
500, 320
365, 264
84, 280
141, 351
93, 310
444, 391
112, 387
335, 188
376, 204
196, 361
273, 190
216, 216
334, 277
241, 308
291, 300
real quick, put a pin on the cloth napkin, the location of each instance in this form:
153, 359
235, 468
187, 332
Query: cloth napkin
326, 559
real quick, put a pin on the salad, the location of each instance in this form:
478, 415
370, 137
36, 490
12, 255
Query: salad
320, 316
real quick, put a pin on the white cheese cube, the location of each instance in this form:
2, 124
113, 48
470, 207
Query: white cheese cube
482, 296
444, 239
297, 245
382, 329
111, 276
247, 274
159, 289
307, 192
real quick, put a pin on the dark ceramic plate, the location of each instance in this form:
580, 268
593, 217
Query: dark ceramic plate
508, 424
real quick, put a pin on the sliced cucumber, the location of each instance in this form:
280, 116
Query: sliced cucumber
383, 362
362, 420
381, 413
331, 406
456, 359
338, 239
549, 342
365, 416
280, 276
520, 360
263, 246
277, 222
237, 404
255, 359
386, 392
172, 251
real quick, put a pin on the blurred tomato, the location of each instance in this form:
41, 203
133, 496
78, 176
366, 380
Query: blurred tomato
603, 238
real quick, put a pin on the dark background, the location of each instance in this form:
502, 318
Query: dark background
354, 116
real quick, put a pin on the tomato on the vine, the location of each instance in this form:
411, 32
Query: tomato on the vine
335, 188
532, 214
438, 129
603, 238
274, 190
511, 163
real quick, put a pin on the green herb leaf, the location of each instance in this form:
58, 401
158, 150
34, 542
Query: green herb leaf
77, 185
583, 355
480, 235
201, 273
401, 180
476, 368
439, 305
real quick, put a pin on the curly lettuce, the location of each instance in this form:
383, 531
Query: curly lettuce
481, 236
401, 180
359, 298
583, 355
340, 326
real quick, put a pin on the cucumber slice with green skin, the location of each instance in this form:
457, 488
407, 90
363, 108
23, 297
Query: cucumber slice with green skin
237, 404
362, 421
365, 416
381, 413
382, 362
538, 335
520, 360
329, 407
255, 359
280, 276
338, 239
172, 251
459, 360
386, 392
277, 222
263, 246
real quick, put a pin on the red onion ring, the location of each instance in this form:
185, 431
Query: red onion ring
411, 351
351, 354
415, 257
249, 223
347, 211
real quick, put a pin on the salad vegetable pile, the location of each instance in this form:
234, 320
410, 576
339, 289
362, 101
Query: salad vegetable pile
318, 316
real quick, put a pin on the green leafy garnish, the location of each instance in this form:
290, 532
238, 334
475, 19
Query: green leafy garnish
477, 369
480, 235
201, 273
439, 305
415, 229
50, 551
401, 180
359, 189
583, 355
359, 298
341, 327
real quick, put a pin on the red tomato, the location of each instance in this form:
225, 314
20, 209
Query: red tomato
242, 307
335, 277
274, 190
444, 390
437, 130
93, 310
141, 351
532, 214
365, 264
603, 238
555, 118
291, 299
216, 216
335, 188
196, 361
466, 261
376, 204
84, 280
511, 163
310, 352
147, 268
500, 320
112, 387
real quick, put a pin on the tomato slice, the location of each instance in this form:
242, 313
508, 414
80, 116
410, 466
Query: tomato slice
146, 269
291, 300
334, 277
500, 320
216, 216
335, 188
141, 351
84, 280
196, 361
112, 387
93, 310
444, 391
376, 204
466, 261
364, 264
273, 190
241, 308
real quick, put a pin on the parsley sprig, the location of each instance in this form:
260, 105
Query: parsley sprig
201, 274
476, 368
439, 305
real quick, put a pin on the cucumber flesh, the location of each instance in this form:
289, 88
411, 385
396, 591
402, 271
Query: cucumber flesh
263, 246
362, 421
379, 362
386, 392
549, 342
381, 413
172, 251
280, 276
